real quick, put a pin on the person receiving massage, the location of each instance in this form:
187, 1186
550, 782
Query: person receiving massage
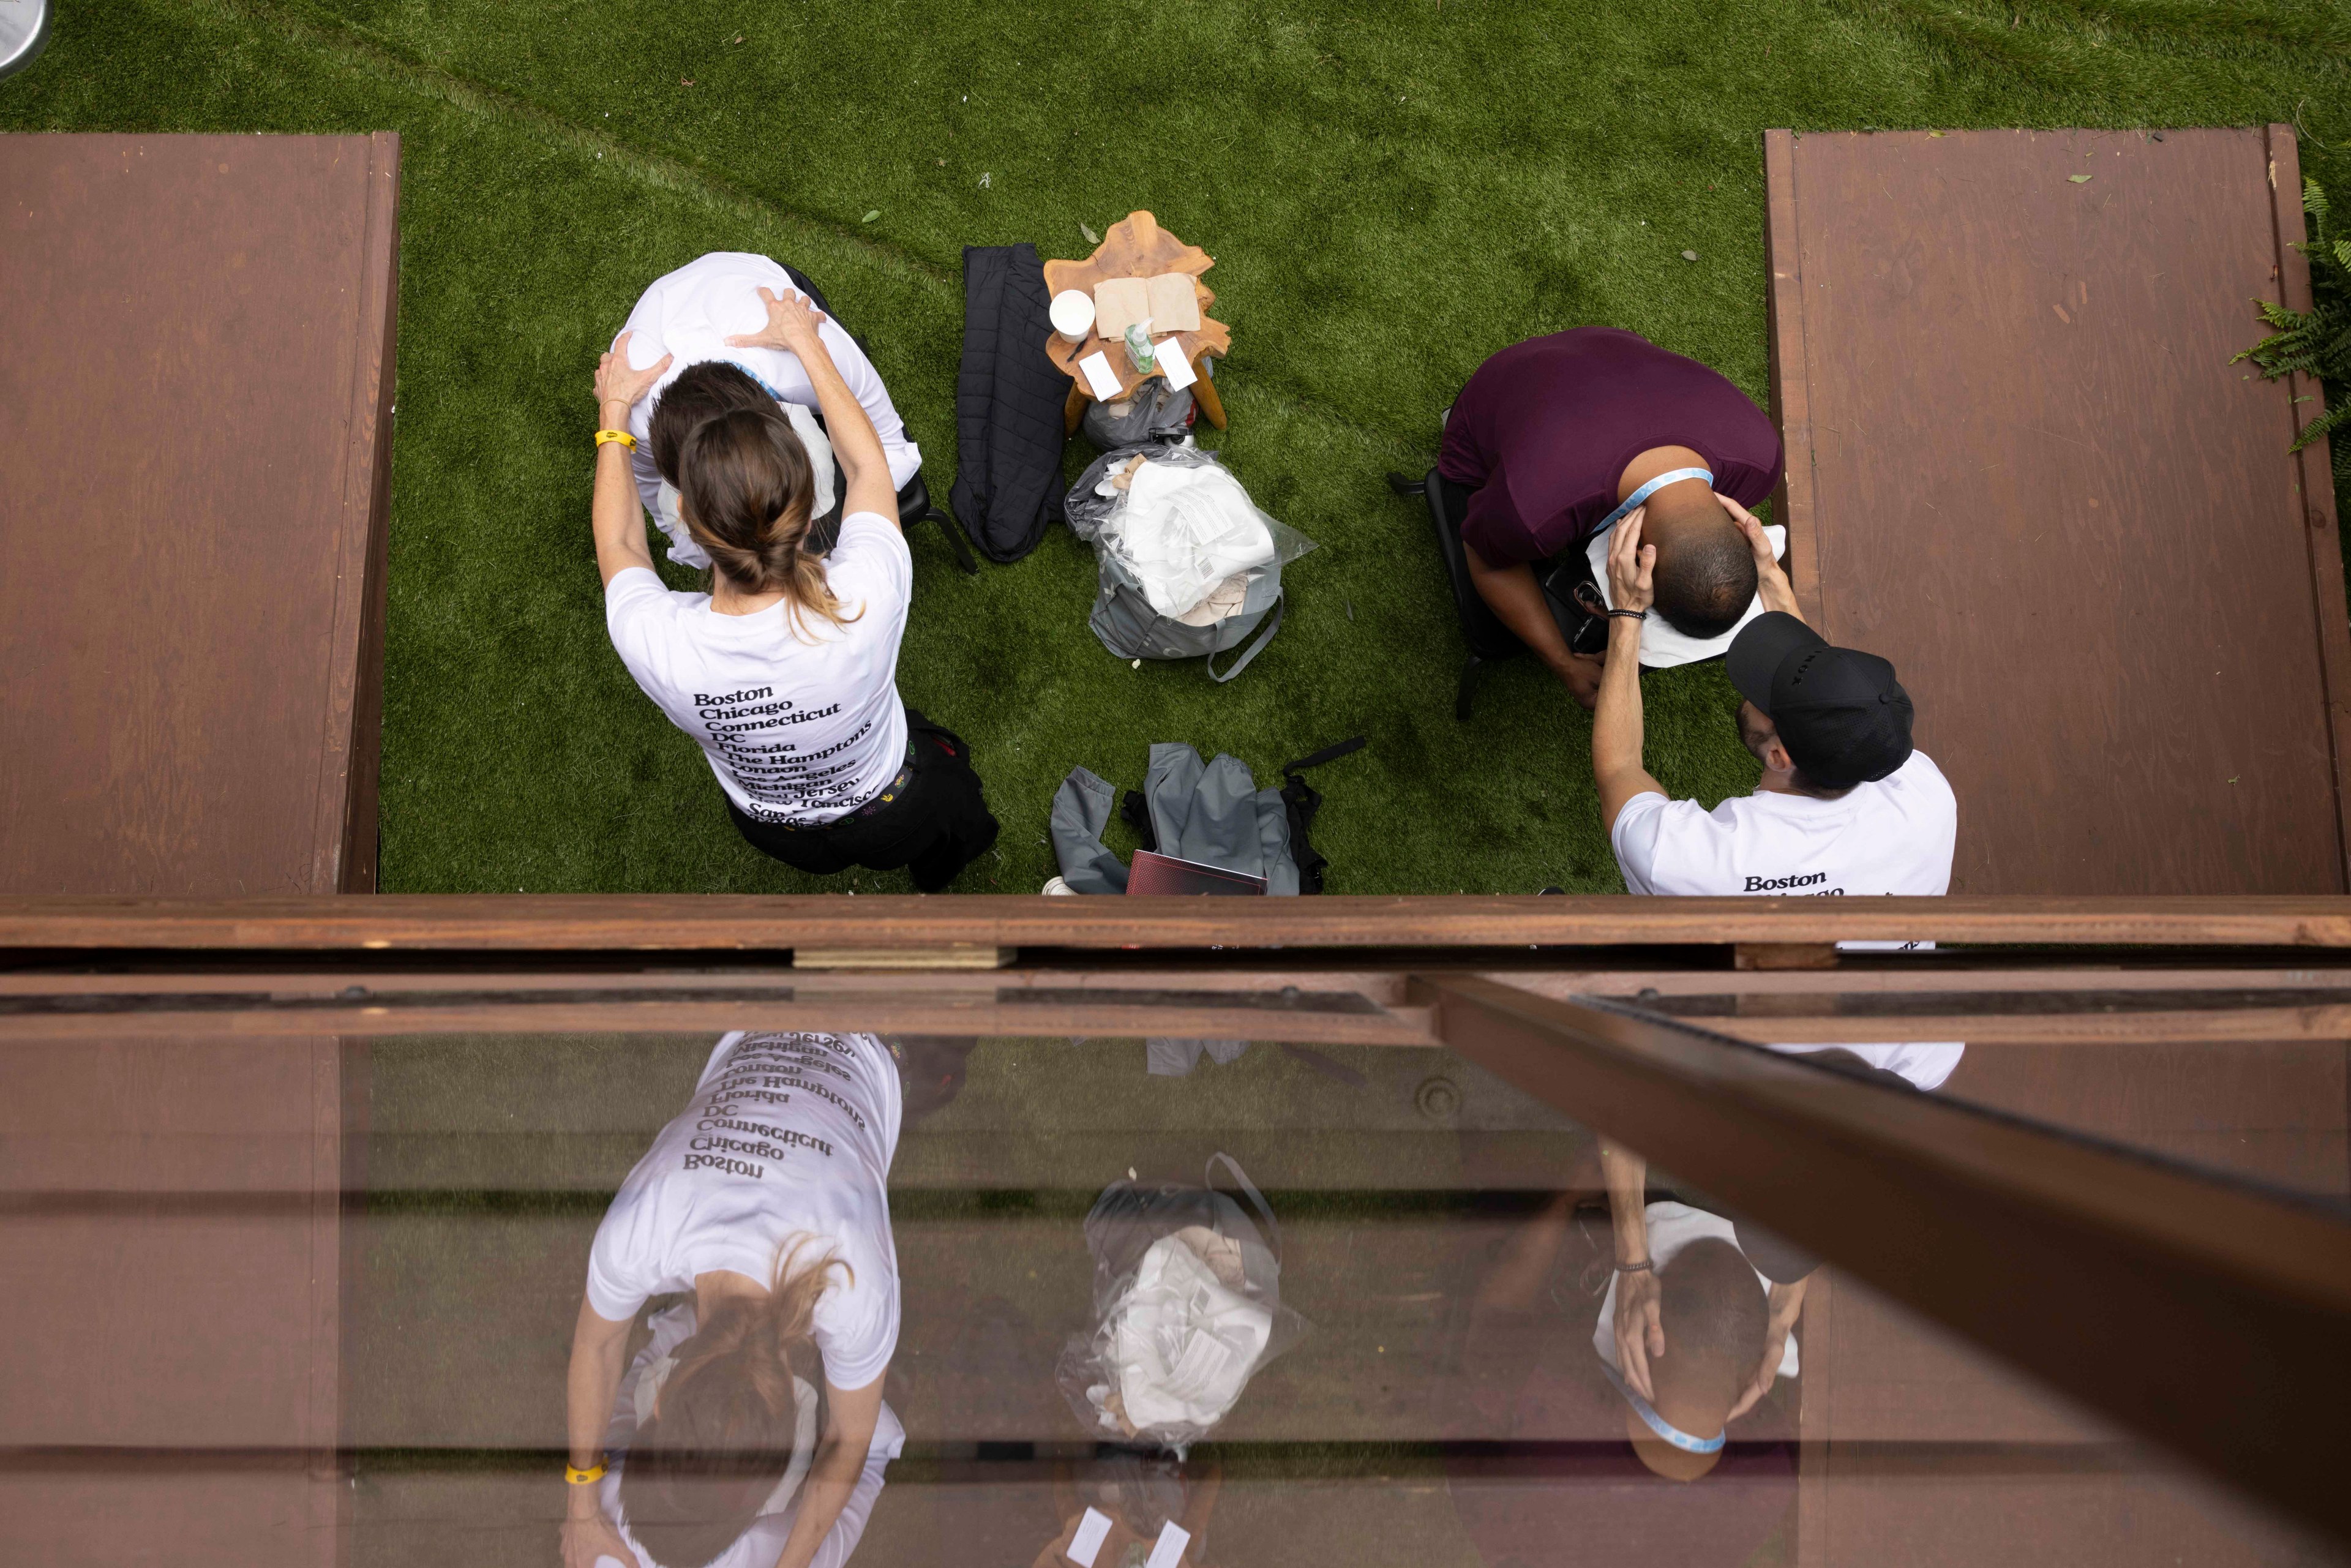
705, 316
749, 1431
1845, 805
1698, 1321
786, 672
1555, 435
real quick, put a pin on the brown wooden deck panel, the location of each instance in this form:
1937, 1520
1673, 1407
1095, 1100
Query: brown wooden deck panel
2021, 466
195, 358
171, 1267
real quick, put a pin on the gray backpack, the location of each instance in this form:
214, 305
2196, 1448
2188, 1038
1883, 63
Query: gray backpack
1123, 618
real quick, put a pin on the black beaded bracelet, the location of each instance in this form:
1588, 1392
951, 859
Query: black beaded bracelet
1643, 1266
1628, 614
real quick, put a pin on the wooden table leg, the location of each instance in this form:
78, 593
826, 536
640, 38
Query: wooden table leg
1074, 409
1204, 392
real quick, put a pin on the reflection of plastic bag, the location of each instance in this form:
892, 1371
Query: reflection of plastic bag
1189, 566
1187, 1308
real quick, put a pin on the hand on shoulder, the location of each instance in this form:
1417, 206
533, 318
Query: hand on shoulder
792, 324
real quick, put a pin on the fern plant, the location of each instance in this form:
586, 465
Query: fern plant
2316, 343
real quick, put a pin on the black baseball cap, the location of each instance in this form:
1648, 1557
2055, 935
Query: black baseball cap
1839, 712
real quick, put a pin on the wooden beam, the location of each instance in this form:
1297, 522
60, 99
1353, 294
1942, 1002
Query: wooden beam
691, 922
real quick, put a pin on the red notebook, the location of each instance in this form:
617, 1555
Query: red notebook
1157, 874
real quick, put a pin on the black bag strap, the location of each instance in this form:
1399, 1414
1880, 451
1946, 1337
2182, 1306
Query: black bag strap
1257, 1199
1347, 747
1265, 634
1299, 801
1136, 811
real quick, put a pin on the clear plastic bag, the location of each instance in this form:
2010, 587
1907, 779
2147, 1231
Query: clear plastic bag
1193, 568
1187, 1309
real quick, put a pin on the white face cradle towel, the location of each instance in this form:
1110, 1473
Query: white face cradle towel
1185, 531
1662, 647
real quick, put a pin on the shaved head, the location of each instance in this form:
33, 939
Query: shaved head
1705, 572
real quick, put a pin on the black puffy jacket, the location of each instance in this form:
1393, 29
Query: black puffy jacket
1009, 403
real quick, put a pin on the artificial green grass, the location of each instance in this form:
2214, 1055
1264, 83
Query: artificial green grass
1392, 191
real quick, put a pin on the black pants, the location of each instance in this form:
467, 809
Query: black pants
937, 825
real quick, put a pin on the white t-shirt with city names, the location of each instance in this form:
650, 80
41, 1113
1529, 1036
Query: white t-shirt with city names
1895, 836
801, 719
787, 1135
1672, 1227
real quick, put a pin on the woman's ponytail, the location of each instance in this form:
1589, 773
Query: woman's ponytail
746, 491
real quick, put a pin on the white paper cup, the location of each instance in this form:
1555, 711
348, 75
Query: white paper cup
1073, 315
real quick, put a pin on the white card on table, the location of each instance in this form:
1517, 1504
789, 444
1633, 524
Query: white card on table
1099, 376
1174, 365
1168, 1549
1087, 1542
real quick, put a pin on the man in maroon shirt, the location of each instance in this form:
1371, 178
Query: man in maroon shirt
1553, 433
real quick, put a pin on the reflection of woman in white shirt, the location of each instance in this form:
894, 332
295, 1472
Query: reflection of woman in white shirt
750, 1432
786, 672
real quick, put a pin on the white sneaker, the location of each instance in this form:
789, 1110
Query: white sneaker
1058, 886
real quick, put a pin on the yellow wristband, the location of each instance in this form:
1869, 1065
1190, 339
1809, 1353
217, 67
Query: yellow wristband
623, 436
581, 1478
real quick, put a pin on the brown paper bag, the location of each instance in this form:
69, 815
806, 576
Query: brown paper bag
1175, 305
1119, 303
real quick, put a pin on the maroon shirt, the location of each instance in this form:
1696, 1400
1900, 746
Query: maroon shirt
1545, 428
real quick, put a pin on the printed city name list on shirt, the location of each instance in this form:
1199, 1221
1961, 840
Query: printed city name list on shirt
767, 1078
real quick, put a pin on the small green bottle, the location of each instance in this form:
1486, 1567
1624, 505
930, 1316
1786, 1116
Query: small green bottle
1139, 349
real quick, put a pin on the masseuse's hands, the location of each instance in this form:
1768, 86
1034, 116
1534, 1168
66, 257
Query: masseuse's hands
1771, 577
791, 325
1640, 1331
1786, 1302
617, 383
587, 1538
1767, 1371
1631, 564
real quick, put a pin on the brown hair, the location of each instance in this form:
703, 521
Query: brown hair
699, 392
747, 492
723, 1429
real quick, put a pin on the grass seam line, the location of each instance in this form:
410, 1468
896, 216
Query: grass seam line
364, 52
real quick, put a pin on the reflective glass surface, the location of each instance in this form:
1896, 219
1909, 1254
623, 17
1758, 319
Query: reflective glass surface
2242, 1073
315, 1300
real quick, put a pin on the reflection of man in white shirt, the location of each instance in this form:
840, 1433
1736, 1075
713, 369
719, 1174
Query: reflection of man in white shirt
1845, 806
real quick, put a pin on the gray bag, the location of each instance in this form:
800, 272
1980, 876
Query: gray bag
1124, 617
1212, 813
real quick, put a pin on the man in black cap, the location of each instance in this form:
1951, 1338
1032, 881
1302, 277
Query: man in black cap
1845, 806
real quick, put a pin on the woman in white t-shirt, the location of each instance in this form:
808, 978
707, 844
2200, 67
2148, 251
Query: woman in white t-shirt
750, 1431
786, 672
